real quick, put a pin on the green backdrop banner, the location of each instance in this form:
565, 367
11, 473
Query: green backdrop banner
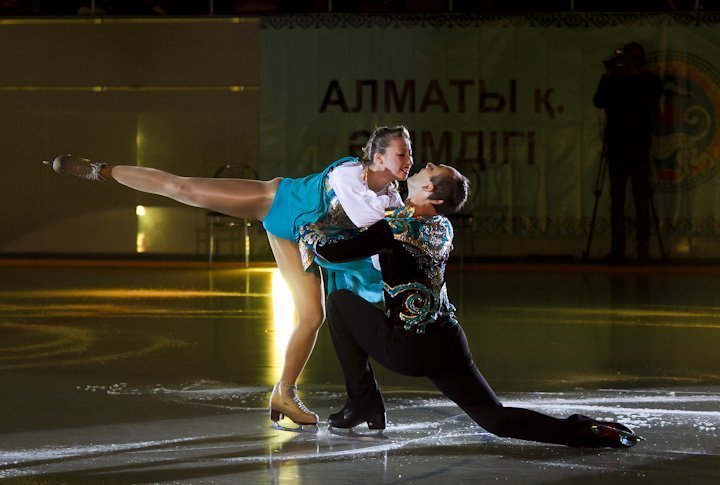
507, 100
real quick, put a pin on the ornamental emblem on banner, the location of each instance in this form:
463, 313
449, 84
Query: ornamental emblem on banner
686, 142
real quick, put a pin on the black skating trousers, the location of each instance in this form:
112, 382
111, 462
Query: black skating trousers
359, 329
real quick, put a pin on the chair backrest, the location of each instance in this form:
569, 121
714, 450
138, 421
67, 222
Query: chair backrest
236, 171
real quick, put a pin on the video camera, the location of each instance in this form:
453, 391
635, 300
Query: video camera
619, 61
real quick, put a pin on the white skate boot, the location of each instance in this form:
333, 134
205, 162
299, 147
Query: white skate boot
285, 401
77, 167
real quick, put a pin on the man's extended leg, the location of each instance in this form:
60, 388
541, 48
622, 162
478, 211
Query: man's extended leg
460, 380
469, 390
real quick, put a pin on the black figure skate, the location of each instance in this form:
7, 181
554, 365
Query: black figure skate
615, 435
348, 417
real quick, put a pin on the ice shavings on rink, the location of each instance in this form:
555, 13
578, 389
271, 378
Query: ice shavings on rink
612, 404
676, 423
51, 453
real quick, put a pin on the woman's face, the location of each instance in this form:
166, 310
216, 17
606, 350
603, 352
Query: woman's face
397, 159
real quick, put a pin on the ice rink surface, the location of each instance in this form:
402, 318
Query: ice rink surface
162, 375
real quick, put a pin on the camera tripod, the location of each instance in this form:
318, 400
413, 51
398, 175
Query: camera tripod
597, 192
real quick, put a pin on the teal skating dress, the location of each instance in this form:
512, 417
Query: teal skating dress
311, 201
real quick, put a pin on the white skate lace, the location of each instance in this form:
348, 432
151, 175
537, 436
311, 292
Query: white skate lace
90, 171
292, 394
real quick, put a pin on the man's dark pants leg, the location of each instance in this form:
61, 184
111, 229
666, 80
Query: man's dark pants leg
359, 330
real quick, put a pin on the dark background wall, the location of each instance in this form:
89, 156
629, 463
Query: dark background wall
152, 83
176, 94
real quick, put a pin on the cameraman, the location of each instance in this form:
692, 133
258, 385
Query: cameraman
629, 94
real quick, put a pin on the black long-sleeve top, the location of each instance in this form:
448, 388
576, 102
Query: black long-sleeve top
413, 253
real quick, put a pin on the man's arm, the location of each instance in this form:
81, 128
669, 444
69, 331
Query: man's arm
375, 239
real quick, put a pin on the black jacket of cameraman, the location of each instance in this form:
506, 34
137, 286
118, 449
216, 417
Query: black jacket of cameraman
630, 102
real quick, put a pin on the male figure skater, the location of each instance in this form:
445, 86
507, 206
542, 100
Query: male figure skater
418, 334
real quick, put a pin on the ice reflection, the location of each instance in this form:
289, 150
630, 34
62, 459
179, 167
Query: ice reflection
288, 444
283, 322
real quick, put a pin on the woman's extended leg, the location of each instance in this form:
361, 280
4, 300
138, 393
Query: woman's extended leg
234, 197
246, 199
307, 294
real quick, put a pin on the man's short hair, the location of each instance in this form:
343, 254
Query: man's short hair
452, 190
639, 56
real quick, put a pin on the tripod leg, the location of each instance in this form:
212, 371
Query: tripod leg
599, 182
656, 223
586, 254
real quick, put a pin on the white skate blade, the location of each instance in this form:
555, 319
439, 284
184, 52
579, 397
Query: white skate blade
365, 435
301, 428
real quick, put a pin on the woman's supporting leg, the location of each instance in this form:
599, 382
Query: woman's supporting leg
234, 197
306, 289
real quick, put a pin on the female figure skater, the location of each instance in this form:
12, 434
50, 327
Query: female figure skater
357, 192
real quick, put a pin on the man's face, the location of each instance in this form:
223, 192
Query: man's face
425, 176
